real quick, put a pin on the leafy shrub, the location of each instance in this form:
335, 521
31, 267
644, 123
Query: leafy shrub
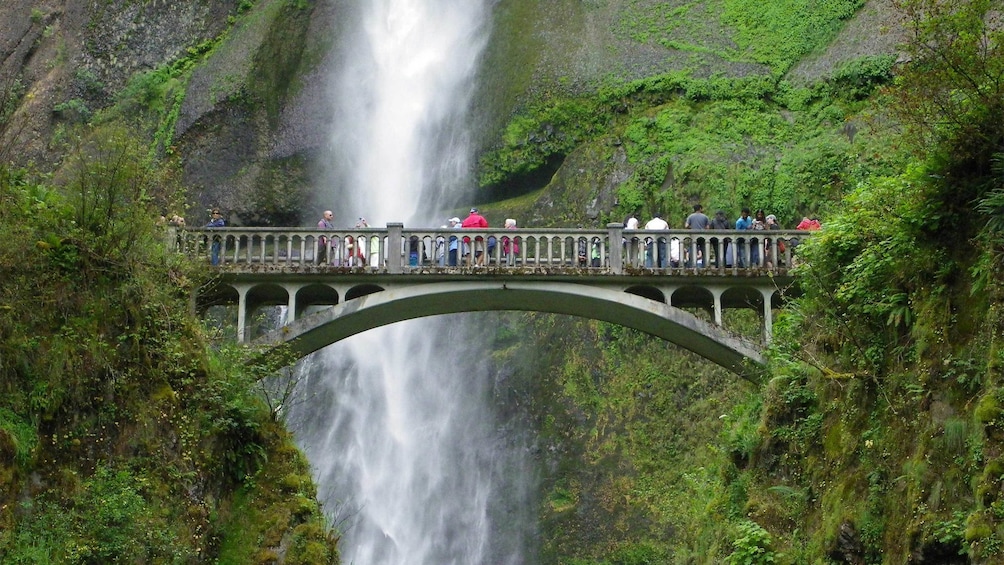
752, 547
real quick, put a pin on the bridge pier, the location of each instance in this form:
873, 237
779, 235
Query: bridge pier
242, 307
768, 314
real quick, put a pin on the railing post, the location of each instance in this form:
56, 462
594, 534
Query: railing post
395, 235
616, 250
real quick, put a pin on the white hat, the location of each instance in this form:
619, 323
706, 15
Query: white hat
455, 220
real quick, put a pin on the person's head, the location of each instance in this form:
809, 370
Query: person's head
454, 221
510, 223
761, 215
771, 219
216, 213
361, 223
328, 214
720, 214
698, 207
745, 213
474, 210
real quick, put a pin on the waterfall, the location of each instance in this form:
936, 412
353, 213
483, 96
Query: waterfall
412, 462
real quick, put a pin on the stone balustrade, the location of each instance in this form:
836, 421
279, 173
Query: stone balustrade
395, 250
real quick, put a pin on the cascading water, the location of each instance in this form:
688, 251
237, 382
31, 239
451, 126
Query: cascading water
398, 422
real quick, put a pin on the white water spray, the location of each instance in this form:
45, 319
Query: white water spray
409, 455
401, 103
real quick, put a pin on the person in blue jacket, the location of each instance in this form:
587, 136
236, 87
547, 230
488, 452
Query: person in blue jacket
216, 221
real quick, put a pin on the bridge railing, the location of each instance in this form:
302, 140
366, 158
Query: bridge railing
396, 250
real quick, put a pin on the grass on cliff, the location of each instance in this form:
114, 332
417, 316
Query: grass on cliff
726, 143
777, 34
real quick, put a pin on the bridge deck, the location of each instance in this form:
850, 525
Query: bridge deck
373, 276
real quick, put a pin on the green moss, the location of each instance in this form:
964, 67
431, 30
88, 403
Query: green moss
277, 64
988, 411
18, 438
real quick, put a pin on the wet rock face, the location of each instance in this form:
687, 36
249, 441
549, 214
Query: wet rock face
81, 54
126, 36
848, 548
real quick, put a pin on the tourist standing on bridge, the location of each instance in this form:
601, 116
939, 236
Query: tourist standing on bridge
454, 243
510, 246
768, 251
477, 221
323, 242
216, 221
698, 220
759, 224
745, 222
721, 222
656, 245
632, 247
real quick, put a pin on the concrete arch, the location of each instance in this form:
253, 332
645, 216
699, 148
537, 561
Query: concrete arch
315, 295
750, 297
318, 330
362, 290
648, 292
693, 296
266, 295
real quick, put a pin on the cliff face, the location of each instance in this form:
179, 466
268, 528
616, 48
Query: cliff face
56, 52
251, 122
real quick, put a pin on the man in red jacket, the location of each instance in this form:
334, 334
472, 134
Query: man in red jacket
476, 220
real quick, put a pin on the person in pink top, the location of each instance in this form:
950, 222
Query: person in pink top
808, 224
476, 220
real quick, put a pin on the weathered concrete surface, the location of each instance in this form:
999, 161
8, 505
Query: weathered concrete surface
316, 331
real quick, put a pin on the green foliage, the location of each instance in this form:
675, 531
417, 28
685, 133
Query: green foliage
952, 532
108, 520
75, 111
859, 79
725, 142
780, 33
864, 264
134, 412
541, 132
17, 436
752, 546
776, 34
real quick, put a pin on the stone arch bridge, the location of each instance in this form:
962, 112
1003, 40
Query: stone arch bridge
343, 282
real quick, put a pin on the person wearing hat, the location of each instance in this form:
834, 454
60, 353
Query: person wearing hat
454, 242
476, 220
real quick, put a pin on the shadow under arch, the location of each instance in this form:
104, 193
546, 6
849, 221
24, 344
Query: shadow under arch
315, 295
318, 330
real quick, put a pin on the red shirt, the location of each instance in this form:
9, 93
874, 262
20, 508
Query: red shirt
475, 220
